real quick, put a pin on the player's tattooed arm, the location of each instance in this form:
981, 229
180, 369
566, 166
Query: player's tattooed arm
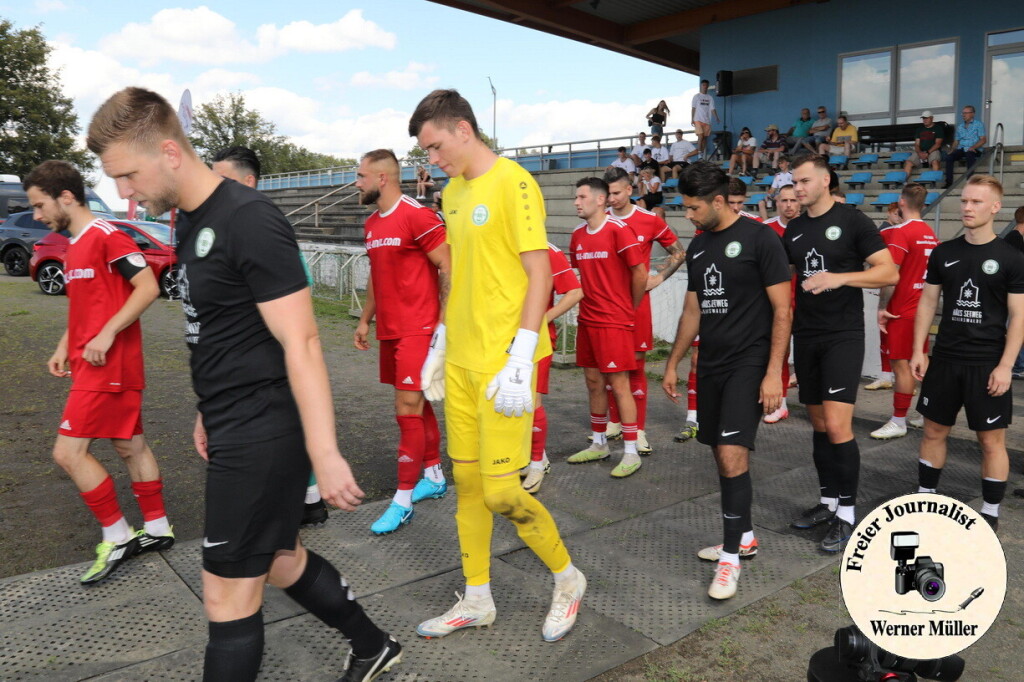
676, 256
441, 257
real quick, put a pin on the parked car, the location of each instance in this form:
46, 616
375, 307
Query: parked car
14, 200
17, 236
155, 241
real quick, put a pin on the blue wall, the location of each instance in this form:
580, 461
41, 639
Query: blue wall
806, 49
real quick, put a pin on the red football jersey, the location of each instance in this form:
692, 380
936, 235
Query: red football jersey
405, 286
744, 214
604, 259
564, 278
648, 228
910, 244
775, 223
96, 292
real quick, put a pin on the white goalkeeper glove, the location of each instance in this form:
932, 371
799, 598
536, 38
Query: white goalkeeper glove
512, 387
432, 374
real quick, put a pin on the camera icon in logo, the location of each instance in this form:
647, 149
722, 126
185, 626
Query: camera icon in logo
924, 575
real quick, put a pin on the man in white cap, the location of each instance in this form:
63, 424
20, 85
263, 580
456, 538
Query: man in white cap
928, 141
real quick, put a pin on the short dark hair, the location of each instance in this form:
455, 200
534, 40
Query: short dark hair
444, 108
817, 160
614, 174
784, 157
914, 195
621, 149
704, 81
789, 186
54, 177
1018, 215
245, 159
705, 181
656, 137
388, 158
647, 150
596, 184
737, 187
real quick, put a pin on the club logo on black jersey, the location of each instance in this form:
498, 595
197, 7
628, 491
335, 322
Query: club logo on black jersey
713, 285
834, 232
480, 214
814, 262
969, 295
990, 267
204, 241
733, 249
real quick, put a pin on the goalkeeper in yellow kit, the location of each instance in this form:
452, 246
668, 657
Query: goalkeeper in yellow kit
482, 357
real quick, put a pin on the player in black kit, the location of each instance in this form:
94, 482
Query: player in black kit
981, 279
738, 299
265, 408
828, 245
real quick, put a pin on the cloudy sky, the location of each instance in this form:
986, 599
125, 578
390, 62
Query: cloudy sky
343, 77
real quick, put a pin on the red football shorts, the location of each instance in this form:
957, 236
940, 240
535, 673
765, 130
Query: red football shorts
102, 414
900, 338
401, 361
643, 328
608, 349
543, 374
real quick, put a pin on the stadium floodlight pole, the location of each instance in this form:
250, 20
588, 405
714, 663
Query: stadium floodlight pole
494, 114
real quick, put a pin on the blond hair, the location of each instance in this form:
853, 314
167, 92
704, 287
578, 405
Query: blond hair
989, 181
139, 118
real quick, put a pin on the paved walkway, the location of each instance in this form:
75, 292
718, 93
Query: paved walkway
634, 539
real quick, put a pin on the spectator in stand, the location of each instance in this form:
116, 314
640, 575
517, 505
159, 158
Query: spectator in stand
771, 150
657, 117
838, 195
781, 179
892, 216
423, 182
968, 144
637, 154
1015, 237
624, 162
738, 197
819, 131
680, 154
928, 143
660, 154
701, 109
799, 132
743, 154
843, 139
650, 191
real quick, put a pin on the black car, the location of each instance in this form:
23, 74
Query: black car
19, 231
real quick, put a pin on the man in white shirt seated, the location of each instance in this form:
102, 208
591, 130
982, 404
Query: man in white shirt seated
637, 153
624, 162
660, 154
680, 154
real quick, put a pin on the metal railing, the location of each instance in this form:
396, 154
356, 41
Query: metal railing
572, 152
998, 150
340, 275
317, 210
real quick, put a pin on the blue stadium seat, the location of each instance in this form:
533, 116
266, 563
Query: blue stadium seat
854, 198
671, 183
931, 178
865, 160
861, 179
838, 160
886, 198
635, 197
747, 179
893, 178
674, 203
931, 196
766, 181
897, 159
754, 199
725, 165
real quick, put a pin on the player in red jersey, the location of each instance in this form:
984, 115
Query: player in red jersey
648, 228
109, 285
567, 285
737, 197
910, 244
409, 280
788, 208
614, 275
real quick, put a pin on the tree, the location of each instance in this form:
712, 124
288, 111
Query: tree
227, 122
37, 122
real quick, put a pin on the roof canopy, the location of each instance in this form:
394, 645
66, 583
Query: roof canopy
665, 32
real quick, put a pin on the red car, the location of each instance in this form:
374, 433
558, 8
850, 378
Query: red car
155, 241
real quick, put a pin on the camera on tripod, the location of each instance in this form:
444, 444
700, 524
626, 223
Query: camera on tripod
923, 575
